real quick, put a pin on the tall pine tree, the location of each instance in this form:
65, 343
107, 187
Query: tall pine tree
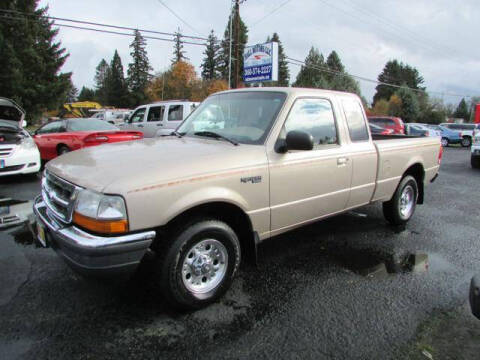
311, 74
31, 58
116, 90
178, 52
138, 70
101, 73
210, 64
239, 40
339, 79
462, 111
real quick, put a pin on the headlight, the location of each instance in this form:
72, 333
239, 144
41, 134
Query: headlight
28, 144
100, 213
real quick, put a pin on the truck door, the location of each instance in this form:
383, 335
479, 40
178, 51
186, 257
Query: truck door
135, 122
155, 120
311, 184
175, 116
362, 154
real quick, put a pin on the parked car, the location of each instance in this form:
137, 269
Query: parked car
115, 117
270, 160
416, 129
389, 122
375, 129
448, 136
475, 151
159, 118
431, 131
466, 130
18, 152
59, 137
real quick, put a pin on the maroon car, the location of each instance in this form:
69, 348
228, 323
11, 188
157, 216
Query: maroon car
388, 122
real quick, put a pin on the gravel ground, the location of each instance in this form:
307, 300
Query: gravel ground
338, 289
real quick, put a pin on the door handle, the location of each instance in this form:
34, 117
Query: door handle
159, 124
342, 161
139, 125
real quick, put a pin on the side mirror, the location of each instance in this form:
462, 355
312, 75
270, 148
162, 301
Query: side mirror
475, 296
299, 140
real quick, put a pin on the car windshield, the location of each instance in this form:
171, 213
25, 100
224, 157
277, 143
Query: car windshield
244, 117
89, 125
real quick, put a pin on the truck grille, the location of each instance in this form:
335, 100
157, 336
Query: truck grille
59, 196
6, 151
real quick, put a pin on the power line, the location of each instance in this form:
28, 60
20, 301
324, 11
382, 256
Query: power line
270, 13
178, 17
324, 69
104, 31
99, 24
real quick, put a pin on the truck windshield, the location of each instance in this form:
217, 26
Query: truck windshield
245, 117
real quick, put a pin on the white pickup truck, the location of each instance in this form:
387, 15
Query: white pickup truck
245, 166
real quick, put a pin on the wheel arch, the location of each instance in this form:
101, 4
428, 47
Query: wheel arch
418, 172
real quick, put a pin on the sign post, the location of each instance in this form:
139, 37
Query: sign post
260, 63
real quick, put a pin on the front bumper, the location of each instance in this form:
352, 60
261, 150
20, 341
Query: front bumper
93, 255
21, 162
475, 150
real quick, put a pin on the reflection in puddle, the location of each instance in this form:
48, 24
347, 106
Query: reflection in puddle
14, 212
375, 264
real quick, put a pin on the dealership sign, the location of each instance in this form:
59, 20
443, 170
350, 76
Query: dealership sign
260, 63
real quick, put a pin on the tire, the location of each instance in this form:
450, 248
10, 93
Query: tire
63, 149
475, 162
445, 142
402, 206
197, 264
466, 141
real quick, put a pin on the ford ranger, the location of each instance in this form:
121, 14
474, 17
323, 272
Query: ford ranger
245, 166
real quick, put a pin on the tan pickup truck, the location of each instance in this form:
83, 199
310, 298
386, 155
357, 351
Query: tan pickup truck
245, 166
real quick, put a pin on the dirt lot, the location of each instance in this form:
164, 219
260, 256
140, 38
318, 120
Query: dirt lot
348, 287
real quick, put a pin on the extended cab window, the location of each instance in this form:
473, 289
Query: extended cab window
314, 116
156, 113
175, 112
138, 116
357, 127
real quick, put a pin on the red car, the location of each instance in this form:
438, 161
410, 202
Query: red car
388, 122
59, 137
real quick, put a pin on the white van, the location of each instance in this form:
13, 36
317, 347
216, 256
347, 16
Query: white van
115, 117
159, 118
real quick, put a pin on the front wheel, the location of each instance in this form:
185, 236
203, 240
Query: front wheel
63, 149
198, 264
401, 207
466, 141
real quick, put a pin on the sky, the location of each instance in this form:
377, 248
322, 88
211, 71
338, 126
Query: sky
438, 37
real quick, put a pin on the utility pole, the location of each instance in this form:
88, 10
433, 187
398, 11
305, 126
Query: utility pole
230, 50
237, 32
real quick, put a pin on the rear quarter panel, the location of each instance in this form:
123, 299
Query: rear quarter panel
395, 156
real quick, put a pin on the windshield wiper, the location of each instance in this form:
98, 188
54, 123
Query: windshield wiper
176, 133
216, 136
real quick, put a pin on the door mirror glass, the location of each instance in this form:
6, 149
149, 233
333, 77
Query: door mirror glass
299, 140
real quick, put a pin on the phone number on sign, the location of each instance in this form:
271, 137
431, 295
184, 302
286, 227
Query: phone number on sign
261, 70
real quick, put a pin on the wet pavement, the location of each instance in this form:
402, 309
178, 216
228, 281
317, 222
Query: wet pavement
348, 287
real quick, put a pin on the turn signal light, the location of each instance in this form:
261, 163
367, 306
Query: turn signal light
101, 226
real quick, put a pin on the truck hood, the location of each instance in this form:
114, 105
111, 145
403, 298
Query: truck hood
11, 114
122, 167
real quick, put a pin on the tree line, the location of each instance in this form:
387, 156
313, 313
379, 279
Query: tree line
32, 59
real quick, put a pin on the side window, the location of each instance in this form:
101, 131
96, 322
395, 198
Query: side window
53, 127
138, 116
175, 112
156, 113
357, 126
314, 116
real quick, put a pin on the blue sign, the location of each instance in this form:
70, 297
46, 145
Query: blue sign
260, 63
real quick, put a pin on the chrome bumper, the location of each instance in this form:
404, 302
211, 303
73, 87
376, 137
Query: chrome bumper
91, 254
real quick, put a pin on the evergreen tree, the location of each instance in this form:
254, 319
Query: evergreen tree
409, 109
397, 73
238, 41
339, 79
86, 94
178, 52
138, 70
283, 71
31, 59
100, 81
210, 64
462, 111
311, 74
116, 90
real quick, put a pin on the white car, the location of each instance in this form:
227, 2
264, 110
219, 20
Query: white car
159, 118
467, 130
114, 117
18, 152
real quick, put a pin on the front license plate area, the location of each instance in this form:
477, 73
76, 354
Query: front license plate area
41, 234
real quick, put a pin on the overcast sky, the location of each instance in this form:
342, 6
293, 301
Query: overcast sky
438, 37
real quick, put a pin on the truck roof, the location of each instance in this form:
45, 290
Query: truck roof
294, 91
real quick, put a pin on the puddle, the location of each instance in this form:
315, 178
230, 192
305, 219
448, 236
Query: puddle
376, 264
